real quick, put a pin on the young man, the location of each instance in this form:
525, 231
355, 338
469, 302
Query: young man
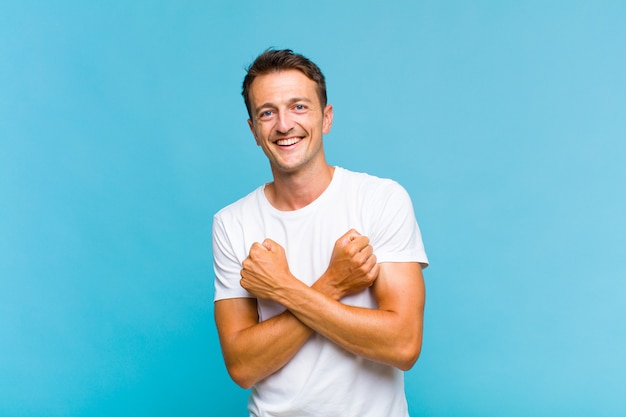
319, 289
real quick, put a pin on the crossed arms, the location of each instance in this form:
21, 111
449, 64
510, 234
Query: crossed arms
391, 334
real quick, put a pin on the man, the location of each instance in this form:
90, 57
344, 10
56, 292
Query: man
319, 289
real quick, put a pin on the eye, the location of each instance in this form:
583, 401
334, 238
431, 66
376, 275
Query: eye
300, 107
266, 114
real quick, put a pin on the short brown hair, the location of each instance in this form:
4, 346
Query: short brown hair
274, 60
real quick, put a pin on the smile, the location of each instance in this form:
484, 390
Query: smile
288, 141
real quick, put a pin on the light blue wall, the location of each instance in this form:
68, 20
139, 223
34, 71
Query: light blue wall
122, 131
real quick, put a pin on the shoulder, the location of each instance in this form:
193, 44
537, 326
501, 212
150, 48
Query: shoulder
231, 223
245, 205
371, 185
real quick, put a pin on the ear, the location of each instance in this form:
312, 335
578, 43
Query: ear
327, 121
251, 126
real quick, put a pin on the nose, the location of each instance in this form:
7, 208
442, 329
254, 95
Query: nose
284, 122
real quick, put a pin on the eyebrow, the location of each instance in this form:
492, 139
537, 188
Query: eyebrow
289, 102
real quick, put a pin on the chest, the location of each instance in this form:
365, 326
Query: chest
308, 239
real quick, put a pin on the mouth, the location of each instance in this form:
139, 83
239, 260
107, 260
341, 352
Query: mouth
288, 141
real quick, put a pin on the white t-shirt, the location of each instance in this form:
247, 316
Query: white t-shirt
322, 379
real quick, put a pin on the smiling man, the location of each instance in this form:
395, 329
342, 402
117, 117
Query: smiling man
319, 294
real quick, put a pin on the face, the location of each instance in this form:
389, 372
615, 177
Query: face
288, 121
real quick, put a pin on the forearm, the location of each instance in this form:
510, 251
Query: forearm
379, 335
389, 334
256, 351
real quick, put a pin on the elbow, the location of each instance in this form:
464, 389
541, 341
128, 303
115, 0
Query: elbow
407, 361
407, 355
240, 377
244, 383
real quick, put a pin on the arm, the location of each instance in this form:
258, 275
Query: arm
253, 350
391, 334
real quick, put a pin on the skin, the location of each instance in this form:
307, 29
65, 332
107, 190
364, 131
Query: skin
288, 123
285, 106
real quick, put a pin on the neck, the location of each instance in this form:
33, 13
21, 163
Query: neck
291, 192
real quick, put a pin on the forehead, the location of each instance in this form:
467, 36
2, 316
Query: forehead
281, 87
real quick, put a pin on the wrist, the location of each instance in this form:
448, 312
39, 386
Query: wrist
324, 285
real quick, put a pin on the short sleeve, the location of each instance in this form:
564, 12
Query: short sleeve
395, 234
226, 265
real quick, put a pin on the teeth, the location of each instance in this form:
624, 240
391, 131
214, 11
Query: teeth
287, 142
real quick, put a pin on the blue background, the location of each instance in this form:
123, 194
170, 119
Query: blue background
122, 131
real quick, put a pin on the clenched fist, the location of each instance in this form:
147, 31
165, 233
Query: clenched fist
265, 270
352, 267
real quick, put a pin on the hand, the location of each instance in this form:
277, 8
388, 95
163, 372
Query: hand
352, 267
265, 270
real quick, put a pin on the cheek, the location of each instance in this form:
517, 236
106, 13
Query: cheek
258, 135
